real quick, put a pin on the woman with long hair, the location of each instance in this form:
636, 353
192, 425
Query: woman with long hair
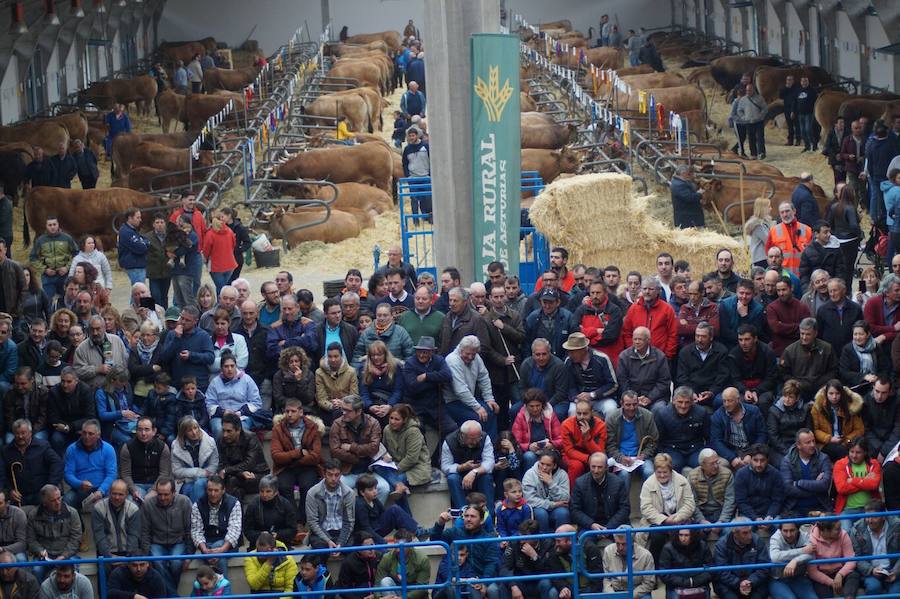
60, 323
92, 252
757, 230
785, 418
115, 408
545, 487
194, 459
856, 480
218, 249
686, 548
380, 384
869, 278
36, 304
86, 276
407, 450
226, 341
842, 215
837, 419
206, 297
113, 321
295, 379
377, 290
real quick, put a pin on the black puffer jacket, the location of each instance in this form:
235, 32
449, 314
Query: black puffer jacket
783, 424
676, 555
277, 515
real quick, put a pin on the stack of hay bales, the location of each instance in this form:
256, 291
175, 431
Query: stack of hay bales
596, 218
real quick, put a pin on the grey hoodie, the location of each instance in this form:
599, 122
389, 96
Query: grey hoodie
782, 551
751, 109
80, 589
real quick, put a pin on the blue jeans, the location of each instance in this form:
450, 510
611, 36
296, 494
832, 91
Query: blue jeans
550, 521
483, 483
633, 60
395, 518
680, 460
807, 131
136, 275
529, 459
194, 489
119, 438
159, 291
60, 442
170, 569
460, 412
53, 284
795, 587
529, 588
220, 279
393, 476
383, 487
646, 471
215, 424
849, 524
74, 497
222, 563
875, 586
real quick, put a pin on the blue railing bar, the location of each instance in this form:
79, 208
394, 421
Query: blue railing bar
769, 565
526, 578
538, 536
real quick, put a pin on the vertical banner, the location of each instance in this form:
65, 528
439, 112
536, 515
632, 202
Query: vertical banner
496, 155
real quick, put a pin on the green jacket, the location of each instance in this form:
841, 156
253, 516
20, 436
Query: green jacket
417, 327
53, 252
418, 570
409, 451
158, 266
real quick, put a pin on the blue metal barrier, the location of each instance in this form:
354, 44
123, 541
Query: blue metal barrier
417, 231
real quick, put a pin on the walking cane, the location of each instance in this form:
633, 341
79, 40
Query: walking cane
508, 353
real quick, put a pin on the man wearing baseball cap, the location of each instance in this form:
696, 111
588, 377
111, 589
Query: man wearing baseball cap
550, 322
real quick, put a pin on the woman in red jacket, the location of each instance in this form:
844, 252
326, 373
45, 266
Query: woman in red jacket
536, 427
856, 479
218, 249
582, 435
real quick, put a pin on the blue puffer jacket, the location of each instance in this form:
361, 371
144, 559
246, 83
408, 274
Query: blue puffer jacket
892, 204
758, 494
9, 362
754, 428
232, 395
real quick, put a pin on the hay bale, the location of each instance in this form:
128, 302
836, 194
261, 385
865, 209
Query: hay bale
596, 217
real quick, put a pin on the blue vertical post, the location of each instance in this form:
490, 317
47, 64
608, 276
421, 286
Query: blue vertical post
402, 549
629, 557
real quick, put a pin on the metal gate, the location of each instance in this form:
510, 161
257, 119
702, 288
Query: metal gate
417, 231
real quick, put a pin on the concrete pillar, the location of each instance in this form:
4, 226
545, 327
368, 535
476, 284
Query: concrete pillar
448, 26
326, 18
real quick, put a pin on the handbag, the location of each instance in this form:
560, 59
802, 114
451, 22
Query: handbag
691, 593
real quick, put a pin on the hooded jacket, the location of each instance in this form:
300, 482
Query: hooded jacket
861, 539
236, 394
851, 423
578, 446
521, 428
409, 451
845, 484
265, 577
674, 555
245, 455
783, 423
58, 534
183, 468
395, 338
782, 551
81, 588
334, 384
540, 495
220, 589
841, 547
285, 455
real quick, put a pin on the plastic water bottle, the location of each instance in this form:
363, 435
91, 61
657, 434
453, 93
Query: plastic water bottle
297, 494
107, 352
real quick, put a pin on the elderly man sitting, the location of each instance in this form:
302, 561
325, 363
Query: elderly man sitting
134, 315
469, 395
467, 459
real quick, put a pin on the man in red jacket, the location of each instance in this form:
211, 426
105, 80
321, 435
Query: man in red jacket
601, 322
188, 206
582, 435
657, 315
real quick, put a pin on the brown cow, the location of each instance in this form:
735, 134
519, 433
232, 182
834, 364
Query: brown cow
198, 108
564, 24
141, 178
353, 196
46, 134
771, 79
75, 122
549, 136
679, 99
82, 211
638, 70
349, 49
550, 163
125, 145
105, 94
641, 82
230, 79
727, 70
370, 163
378, 60
365, 74
336, 227
156, 155
353, 107
725, 192
375, 102
853, 108
391, 39
23, 149
171, 108
702, 77
526, 103
606, 58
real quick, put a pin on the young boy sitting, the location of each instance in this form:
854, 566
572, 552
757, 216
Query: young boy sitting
161, 405
372, 517
512, 510
190, 401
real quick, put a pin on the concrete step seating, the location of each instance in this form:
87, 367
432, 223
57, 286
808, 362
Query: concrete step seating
426, 502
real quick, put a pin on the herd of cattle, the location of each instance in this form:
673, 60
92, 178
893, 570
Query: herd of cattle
687, 96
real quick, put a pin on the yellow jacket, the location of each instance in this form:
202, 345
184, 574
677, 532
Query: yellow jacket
260, 577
